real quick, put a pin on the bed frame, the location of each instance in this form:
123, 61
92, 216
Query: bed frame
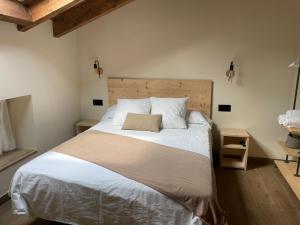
198, 91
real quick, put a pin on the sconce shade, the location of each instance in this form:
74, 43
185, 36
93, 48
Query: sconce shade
230, 73
98, 69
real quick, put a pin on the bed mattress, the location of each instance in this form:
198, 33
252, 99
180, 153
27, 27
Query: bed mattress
62, 188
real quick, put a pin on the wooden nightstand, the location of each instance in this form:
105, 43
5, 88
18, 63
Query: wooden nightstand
234, 148
84, 125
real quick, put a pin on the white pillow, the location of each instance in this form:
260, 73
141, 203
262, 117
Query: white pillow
109, 114
195, 117
173, 111
124, 106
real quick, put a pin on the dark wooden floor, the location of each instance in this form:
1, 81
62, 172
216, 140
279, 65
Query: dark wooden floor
258, 196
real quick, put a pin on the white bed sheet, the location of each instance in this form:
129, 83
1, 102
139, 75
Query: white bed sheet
62, 188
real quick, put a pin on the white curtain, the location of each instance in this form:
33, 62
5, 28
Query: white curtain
7, 140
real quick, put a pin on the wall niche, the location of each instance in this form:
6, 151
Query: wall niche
22, 123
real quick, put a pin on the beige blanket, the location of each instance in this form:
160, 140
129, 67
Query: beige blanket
181, 175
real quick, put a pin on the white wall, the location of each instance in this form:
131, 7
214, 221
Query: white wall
196, 39
34, 63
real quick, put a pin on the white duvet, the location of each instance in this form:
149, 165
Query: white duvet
62, 188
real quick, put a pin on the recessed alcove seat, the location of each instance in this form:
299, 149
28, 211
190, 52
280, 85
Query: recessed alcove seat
10, 158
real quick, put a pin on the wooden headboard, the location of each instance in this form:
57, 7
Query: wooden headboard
199, 91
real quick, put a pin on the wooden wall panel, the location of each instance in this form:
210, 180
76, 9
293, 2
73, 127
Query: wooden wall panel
199, 91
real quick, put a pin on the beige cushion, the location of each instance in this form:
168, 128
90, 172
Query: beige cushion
142, 122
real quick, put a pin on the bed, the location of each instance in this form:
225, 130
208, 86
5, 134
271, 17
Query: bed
62, 188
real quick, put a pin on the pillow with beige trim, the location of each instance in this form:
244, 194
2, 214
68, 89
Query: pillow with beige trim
142, 122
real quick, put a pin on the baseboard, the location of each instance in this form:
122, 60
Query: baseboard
4, 199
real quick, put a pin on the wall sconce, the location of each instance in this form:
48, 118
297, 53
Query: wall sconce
230, 73
97, 68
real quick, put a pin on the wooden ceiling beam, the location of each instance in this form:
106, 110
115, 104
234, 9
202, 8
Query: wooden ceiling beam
83, 14
47, 9
14, 12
